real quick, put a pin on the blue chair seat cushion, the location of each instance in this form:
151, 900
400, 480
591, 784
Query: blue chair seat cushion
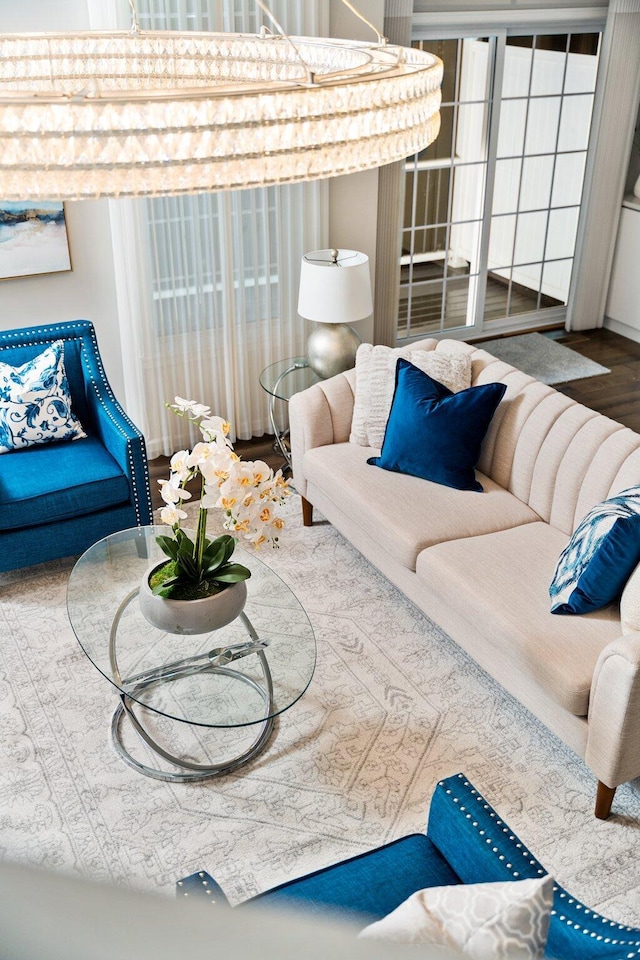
368, 886
57, 481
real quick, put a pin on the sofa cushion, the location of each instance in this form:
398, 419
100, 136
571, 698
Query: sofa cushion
434, 433
59, 480
405, 514
501, 579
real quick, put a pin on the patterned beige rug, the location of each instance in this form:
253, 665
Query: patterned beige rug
394, 706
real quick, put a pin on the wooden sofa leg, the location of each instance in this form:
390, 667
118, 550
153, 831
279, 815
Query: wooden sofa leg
307, 512
604, 799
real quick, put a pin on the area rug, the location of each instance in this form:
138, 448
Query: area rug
543, 358
394, 706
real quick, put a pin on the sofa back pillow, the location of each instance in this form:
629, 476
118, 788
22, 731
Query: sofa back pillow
434, 433
600, 557
35, 402
375, 384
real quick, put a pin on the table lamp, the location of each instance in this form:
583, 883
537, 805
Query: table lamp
335, 290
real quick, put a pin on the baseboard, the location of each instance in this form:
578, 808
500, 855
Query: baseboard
616, 326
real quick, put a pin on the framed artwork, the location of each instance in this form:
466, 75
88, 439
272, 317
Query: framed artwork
33, 239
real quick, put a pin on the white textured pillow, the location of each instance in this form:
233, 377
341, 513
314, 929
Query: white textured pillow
484, 921
375, 383
630, 604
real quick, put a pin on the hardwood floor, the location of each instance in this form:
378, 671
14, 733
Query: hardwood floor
615, 394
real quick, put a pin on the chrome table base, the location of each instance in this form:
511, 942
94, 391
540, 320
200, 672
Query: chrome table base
213, 662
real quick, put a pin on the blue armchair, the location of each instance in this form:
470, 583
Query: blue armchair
466, 842
59, 498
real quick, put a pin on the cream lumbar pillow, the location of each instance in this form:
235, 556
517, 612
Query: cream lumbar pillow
375, 384
630, 604
484, 921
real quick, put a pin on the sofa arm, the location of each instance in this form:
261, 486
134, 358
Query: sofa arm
319, 416
613, 739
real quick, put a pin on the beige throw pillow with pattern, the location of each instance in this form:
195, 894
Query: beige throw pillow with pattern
484, 921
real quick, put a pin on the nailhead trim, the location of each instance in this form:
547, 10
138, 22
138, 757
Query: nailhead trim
528, 856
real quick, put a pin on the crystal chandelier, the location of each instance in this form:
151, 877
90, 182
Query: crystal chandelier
143, 113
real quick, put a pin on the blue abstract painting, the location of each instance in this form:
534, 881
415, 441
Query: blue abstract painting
33, 239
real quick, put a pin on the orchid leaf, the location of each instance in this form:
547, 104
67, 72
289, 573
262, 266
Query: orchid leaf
232, 573
168, 546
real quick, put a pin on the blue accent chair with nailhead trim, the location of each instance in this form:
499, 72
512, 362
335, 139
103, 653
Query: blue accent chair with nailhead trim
59, 498
466, 842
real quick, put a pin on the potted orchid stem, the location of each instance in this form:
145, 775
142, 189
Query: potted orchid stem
199, 575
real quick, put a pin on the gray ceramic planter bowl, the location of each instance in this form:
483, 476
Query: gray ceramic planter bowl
192, 616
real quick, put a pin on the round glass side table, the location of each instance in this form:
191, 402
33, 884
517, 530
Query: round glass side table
281, 380
232, 682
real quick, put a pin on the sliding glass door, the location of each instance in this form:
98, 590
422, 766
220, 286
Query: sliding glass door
491, 208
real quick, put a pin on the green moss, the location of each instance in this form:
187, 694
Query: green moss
186, 591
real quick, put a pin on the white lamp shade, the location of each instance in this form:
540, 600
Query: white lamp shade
335, 291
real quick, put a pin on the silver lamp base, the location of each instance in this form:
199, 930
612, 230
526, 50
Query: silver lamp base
331, 348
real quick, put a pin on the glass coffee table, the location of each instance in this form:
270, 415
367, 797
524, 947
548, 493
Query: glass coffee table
233, 682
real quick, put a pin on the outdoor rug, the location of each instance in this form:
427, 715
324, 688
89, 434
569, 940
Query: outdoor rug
394, 706
543, 358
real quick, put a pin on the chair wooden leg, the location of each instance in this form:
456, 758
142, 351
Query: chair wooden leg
604, 799
307, 512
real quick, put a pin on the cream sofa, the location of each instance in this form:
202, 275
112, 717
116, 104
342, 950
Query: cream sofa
480, 564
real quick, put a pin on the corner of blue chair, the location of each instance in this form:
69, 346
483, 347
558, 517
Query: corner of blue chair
93, 399
481, 848
471, 844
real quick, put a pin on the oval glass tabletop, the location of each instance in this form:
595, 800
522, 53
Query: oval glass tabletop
213, 680
285, 377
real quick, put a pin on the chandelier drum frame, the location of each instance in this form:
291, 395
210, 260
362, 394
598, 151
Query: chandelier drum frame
147, 113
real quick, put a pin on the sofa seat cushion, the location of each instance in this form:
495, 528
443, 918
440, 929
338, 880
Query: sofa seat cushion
502, 579
58, 480
405, 514
370, 885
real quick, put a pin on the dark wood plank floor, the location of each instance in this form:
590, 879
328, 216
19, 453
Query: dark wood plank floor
615, 394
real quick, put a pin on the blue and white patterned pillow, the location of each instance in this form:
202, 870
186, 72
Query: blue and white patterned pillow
600, 557
35, 404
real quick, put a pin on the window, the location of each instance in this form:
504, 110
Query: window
492, 206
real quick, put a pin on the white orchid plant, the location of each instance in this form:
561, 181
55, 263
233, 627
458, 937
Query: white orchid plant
248, 492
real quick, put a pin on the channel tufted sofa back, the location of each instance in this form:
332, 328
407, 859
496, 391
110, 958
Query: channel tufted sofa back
554, 454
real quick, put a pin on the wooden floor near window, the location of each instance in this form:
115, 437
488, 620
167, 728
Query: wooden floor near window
615, 394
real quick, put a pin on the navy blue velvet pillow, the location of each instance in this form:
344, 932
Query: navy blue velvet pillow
436, 434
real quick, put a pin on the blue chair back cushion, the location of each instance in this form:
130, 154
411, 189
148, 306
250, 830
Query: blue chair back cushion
39, 485
368, 886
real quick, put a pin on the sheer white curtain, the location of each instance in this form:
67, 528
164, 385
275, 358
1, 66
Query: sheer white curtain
207, 284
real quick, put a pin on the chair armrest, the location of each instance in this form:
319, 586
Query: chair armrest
481, 847
118, 434
473, 839
319, 416
613, 739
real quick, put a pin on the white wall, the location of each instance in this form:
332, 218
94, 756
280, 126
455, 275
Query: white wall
353, 200
88, 291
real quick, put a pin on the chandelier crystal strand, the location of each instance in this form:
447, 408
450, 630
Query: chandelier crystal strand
96, 114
